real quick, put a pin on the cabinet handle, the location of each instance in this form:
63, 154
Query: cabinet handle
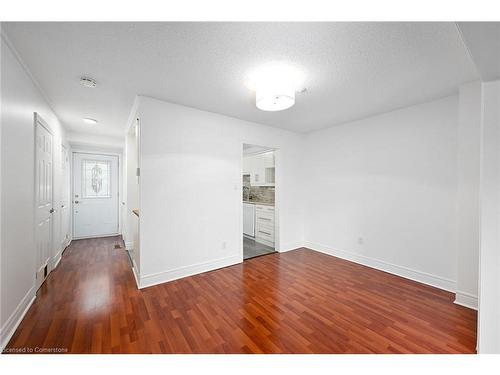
265, 232
264, 218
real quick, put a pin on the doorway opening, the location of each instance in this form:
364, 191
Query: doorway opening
132, 209
259, 193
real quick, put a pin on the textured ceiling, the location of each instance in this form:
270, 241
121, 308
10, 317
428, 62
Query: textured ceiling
483, 42
353, 70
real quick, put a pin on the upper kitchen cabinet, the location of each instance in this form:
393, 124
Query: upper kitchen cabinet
247, 165
261, 169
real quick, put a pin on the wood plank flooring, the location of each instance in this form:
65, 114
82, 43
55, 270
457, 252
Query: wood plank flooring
296, 302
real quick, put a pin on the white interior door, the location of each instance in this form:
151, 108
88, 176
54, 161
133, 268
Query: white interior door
95, 195
44, 199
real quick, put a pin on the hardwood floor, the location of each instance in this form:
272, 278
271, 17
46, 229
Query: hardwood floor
296, 302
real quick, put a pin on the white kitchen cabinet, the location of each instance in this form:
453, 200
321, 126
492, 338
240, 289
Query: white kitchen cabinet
261, 169
249, 219
247, 167
264, 224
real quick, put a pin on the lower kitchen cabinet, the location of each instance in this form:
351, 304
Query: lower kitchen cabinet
264, 224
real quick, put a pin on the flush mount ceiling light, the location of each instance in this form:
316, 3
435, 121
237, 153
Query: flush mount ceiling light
90, 121
275, 85
88, 82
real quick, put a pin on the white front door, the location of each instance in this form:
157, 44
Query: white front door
43, 199
95, 195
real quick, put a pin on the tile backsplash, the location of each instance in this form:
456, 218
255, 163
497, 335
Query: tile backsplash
263, 194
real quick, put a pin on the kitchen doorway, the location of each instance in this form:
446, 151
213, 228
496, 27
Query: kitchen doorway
259, 200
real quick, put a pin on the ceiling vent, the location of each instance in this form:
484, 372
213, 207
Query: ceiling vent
88, 82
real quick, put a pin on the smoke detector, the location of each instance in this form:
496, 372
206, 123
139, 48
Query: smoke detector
88, 82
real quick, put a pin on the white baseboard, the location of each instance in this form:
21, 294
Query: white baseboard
290, 246
57, 260
67, 244
97, 236
129, 245
10, 326
178, 273
407, 273
466, 299
136, 274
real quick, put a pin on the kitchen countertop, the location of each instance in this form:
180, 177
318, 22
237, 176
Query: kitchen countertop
262, 203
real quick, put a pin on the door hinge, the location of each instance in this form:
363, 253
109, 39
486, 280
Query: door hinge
138, 172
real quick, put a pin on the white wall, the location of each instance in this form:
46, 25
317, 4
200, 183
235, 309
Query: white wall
95, 141
469, 128
382, 191
20, 99
191, 189
489, 288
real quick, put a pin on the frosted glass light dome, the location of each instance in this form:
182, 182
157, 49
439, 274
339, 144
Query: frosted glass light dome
274, 100
275, 85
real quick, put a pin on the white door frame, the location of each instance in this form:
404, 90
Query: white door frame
97, 151
38, 120
65, 244
277, 197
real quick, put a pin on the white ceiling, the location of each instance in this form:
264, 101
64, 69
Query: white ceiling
353, 70
483, 42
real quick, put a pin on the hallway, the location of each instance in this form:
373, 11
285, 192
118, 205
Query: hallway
295, 302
